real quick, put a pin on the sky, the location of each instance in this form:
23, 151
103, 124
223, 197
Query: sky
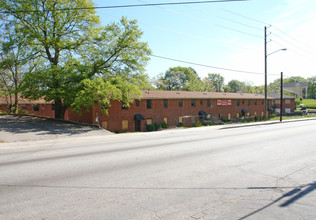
227, 35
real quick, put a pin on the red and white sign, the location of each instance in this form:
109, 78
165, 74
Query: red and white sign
224, 102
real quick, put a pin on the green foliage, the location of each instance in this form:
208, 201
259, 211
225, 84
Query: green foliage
226, 120
77, 53
157, 126
164, 124
179, 78
298, 101
272, 116
150, 127
197, 124
217, 81
309, 103
180, 124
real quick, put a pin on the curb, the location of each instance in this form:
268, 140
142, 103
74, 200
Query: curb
267, 123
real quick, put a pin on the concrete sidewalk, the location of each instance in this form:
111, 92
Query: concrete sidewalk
15, 128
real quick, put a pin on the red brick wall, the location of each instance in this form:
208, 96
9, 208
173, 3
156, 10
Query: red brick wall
116, 114
173, 112
44, 110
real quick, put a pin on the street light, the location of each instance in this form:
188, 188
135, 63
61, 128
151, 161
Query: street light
284, 49
266, 80
265, 73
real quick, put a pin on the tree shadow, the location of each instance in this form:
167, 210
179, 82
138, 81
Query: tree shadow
16, 124
294, 195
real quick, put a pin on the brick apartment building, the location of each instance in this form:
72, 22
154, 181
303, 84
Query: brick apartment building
174, 107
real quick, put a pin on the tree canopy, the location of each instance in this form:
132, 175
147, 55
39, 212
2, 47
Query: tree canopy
80, 57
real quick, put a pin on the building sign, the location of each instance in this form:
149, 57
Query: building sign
224, 102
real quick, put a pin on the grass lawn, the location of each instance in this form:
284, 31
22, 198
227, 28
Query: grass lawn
309, 103
277, 118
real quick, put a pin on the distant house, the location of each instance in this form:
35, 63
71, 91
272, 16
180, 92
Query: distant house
299, 89
174, 107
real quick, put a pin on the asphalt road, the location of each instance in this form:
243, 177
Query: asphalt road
257, 172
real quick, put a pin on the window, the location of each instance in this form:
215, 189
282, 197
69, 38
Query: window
124, 107
238, 102
277, 101
201, 102
255, 102
287, 101
137, 102
23, 106
193, 103
149, 104
124, 124
180, 120
165, 103
243, 101
149, 121
248, 102
36, 108
53, 106
262, 102
208, 103
180, 103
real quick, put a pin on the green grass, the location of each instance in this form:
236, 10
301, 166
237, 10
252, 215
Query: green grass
291, 117
309, 103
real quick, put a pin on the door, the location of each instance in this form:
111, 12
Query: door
137, 125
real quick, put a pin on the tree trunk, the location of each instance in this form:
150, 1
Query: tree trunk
60, 109
16, 103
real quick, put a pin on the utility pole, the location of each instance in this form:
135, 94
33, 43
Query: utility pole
265, 76
281, 98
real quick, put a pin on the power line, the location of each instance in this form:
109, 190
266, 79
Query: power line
208, 22
123, 6
240, 15
224, 18
208, 66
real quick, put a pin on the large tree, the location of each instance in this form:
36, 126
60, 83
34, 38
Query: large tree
16, 59
179, 78
217, 81
79, 53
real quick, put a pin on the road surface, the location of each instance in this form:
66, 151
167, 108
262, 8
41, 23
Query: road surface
256, 172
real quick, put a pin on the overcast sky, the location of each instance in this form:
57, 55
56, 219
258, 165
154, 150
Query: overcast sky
228, 35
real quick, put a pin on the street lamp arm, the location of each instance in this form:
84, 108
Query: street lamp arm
277, 51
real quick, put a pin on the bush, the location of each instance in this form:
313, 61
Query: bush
298, 101
157, 127
197, 124
256, 118
164, 125
150, 127
180, 124
226, 120
272, 115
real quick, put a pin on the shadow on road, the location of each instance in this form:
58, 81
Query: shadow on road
294, 195
25, 124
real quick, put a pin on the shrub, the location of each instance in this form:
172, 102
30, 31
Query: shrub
157, 126
225, 120
197, 124
180, 124
150, 127
272, 115
164, 125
